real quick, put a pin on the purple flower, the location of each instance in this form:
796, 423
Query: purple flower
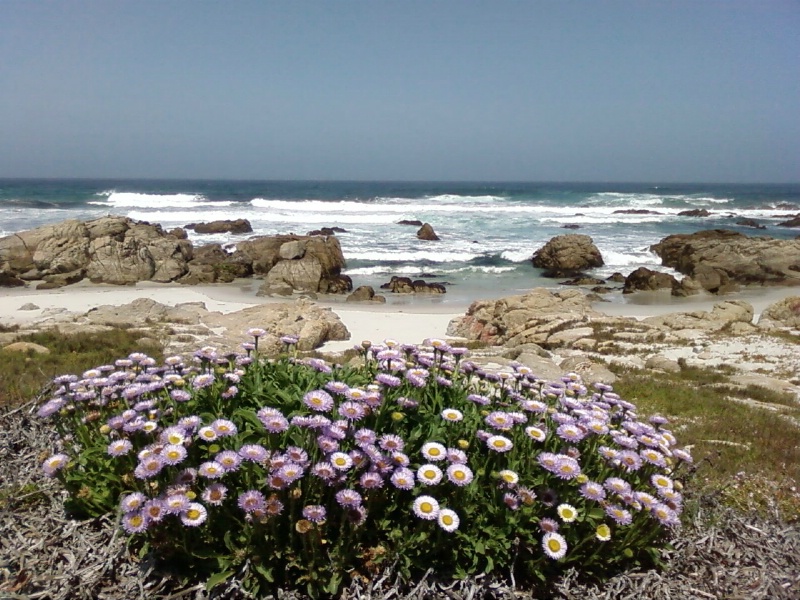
403, 479
154, 510
391, 442
254, 453
134, 522
388, 380
211, 470
215, 494
352, 411
619, 514
571, 432
318, 400
228, 460
348, 498
371, 480
203, 380
149, 467
132, 502
273, 420
499, 420
194, 515
251, 501
337, 387
173, 454
314, 513
119, 447
593, 491
180, 395
224, 427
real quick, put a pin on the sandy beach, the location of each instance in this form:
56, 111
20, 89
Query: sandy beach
406, 320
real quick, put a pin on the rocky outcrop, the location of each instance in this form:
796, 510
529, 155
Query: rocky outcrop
644, 279
695, 212
414, 222
305, 264
121, 251
223, 226
795, 222
184, 328
784, 313
719, 260
528, 318
405, 285
636, 211
750, 223
114, 250
567, 256
427, 233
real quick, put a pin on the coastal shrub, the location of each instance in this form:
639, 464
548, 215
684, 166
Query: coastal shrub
293, 473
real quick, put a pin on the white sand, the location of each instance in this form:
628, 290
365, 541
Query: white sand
410, 322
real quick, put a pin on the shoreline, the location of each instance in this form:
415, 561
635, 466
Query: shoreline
403, 318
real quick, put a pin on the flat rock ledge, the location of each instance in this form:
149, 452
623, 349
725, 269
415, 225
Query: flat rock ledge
185, 328
45, 554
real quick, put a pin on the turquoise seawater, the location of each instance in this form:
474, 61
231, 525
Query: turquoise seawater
488, 230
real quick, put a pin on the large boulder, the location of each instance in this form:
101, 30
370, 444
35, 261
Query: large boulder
719, 259
644, 279
523, 319
426, 232
567, 256
784, 313
114, 250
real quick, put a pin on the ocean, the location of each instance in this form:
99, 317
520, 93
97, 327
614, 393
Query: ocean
488, 231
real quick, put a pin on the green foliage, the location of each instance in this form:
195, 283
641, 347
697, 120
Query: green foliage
23, 375
417, 459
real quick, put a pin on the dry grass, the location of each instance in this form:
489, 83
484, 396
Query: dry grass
733, 443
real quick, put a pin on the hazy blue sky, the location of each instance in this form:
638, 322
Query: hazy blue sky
447, 90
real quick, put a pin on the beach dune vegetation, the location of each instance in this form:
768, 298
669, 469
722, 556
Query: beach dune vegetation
293, 473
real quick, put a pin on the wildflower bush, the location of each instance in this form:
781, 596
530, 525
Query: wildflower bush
293, 473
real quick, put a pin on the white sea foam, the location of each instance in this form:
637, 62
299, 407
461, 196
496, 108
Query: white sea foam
614, 258
412, 255
517, 256
136, 200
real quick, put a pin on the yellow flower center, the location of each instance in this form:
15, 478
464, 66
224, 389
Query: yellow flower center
426, 507
554, 545
460, 475
434, 452
447, 519
136, 520
193, 513
430, 474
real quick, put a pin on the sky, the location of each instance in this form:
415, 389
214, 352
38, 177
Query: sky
678, 91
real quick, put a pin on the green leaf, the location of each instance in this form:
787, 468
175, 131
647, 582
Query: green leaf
216, 579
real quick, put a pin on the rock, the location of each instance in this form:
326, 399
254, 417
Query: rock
365, 293
636, 211
695, 212
26, 347
571, 226
795, 222
719, 259
616, 278
687, 287
10, 280
414, 222
223, 226
568, 336
517, 320
426, 232
589, 371
583, 281
644, 279
751, 223
210, 263
567, 256
327, 231
28, 306
292, 250
179, 233
721, 316
404, 285
784, 313
662, 363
